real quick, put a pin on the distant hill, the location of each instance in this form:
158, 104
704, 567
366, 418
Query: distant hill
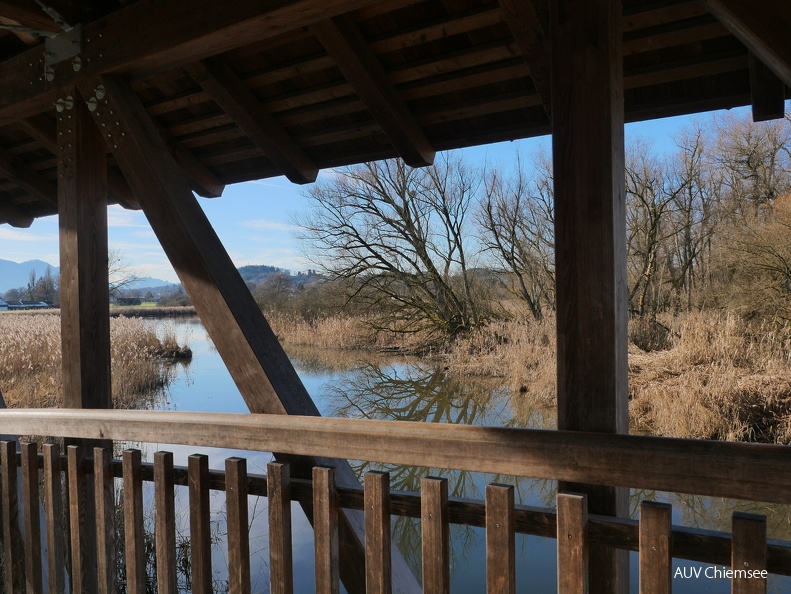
16, 274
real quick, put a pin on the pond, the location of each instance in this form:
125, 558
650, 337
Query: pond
364, 385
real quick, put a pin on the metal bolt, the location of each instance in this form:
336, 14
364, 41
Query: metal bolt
49, 74
76, 64
93, 103
100, 92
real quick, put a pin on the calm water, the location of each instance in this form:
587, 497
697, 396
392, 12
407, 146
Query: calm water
364, 386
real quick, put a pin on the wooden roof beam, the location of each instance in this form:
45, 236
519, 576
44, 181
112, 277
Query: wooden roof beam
27, 13
42, 129
14, 216
28, 179
529, 28
229, 92
761, 25
344, 42
150, 36
768, 93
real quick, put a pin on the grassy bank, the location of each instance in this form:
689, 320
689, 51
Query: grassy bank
30, 369
700, 375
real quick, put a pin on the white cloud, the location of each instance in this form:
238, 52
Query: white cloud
14, 235
268, 225
120, 217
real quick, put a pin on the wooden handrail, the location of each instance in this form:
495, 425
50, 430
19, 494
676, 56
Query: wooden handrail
757, 472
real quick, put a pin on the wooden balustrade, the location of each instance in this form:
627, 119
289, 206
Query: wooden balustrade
653, 536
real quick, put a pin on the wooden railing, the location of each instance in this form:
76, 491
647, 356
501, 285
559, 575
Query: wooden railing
747, 471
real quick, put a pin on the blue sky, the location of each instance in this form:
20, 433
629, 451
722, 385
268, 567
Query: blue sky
254, 219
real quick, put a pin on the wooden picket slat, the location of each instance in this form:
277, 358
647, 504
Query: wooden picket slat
200, 517
748, 553
436, 535
32, 515
53, 505
12, 538
165, 523
655, 554
133, 522
238, 529
572, 544
500, 541
104, 498
378, 577
325, 530
82, 576
278, 493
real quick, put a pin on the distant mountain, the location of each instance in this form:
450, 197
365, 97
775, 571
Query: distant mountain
16, 274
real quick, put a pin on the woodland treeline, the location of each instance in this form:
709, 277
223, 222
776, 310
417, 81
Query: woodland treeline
451, 247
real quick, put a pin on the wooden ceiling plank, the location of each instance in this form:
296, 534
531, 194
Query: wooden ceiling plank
531, 36
766, 91
14, 216
150, 36
762, 26
28, 179
255, 359
364, 72
230, 93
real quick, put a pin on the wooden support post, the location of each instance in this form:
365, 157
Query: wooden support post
377, 533
84, 292
13, 554
573, 548
53, 504
104, 501
200, 527
325, 529
590, 240
435, 529
500, 541
133, 522
164, 503
238, 527
30, 504
254, 357
656, 539
278, 494
748, 553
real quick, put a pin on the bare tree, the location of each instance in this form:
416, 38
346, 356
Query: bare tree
517, 219
398, 236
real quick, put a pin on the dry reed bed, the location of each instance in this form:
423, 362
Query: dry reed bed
30, 369
707, 375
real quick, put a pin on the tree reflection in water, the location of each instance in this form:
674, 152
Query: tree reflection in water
427, 393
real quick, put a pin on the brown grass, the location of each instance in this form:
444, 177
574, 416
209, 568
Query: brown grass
30, 369
698, 375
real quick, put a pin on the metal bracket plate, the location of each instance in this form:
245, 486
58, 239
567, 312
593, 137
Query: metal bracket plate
63, 46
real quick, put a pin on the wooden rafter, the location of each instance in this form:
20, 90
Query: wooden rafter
761, 25
202, 181
243, 107
14, 216
254, 357
27, 178
530, 33
27, 13
362, 69
150, 36
42, 129
767, 92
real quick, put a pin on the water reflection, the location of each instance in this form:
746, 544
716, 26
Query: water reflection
363, 385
